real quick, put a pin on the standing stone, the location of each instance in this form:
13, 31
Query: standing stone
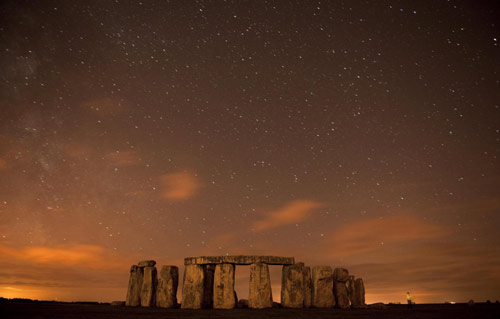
293, 286
148, 291
322, 287
341, 274
340, 277
307, 287
193, 289
134, 286
208, 286
224, 295
359, 288
166, 292
260, 295
340, 292
351, 294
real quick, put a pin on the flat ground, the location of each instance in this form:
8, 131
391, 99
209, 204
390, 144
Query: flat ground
12, 309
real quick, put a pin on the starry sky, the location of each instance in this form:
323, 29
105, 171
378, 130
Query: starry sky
362, 134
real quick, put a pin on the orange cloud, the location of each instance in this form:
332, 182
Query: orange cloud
89, 256
179, 186
369, 235
14, 154
123, 158
294, 212
75, 150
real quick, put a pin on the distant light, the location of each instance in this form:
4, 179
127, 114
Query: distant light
452, 302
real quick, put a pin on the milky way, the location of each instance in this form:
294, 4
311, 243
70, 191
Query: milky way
345, 133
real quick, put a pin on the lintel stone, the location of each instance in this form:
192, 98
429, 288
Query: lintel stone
239, 260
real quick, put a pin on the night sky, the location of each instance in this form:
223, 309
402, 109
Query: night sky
362, 134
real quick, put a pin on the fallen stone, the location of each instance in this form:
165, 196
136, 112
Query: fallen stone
118, 303
134, 286
239, 260
148, 291
277, 305
378, 305
359, 290
243, 303
307, 287
341, 274
224, 295
260, 295
340, 293
166, 291
147, 263
293, 286
193, 288
322, 287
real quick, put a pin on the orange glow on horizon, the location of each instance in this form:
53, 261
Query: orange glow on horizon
90, 256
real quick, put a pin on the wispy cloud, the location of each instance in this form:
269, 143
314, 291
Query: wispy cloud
369, 235
179, 186
123, 158
293, 212
77, 150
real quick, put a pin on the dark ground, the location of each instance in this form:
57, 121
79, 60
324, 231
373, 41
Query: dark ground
13, 309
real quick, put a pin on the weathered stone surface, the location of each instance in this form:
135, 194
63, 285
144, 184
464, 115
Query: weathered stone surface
322, 287
147, 263
260, 295
134, 286
193, 289
293, 286
148, 291
307, 287
340, 293
166, 290
341, 274
224, 295
208, 286
359, 292
239, 260
351, 291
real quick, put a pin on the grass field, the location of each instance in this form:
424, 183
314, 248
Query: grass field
12, 309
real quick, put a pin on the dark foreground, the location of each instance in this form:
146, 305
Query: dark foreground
61, 310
